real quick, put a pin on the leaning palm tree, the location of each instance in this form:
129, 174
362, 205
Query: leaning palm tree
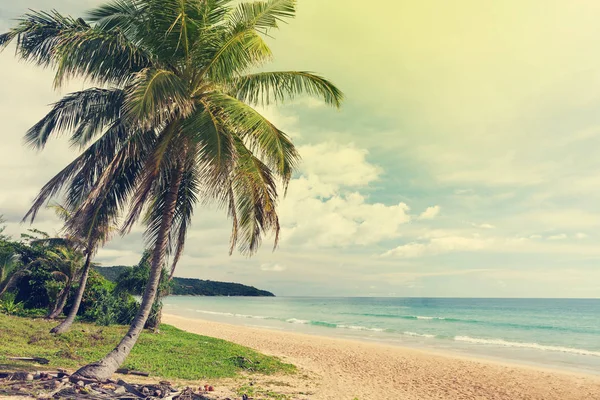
10, 270
96, 234
66, 264
173, 124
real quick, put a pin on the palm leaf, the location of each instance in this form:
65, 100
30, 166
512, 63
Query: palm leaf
263, 15
267, 87
253, 200
156, 95
264, 138
85, 112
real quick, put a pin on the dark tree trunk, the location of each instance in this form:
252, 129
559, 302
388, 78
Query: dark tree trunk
66, 324
103, 369
60, 302
8, 284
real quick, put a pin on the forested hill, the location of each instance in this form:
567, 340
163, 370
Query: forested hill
194, 287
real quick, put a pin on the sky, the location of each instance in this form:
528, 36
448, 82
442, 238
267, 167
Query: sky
462, 164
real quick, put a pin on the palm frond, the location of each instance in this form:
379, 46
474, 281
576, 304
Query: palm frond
253, 202
263, 15
106, 57
265, 88
263, 137
109, 194
158, 164
38, 33
232, 54
85, 112
126, 15
156, 95
213, 146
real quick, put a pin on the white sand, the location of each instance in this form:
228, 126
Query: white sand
341, 369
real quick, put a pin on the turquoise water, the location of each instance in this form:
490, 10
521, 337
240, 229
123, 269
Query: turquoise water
562, 333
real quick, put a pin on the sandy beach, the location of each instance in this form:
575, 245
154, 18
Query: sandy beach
339, 369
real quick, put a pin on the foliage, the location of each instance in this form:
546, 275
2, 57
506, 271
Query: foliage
111, 273
100, 303
192, 286
165, 355
9, 306
197, 287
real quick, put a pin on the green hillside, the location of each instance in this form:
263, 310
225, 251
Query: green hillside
194, 287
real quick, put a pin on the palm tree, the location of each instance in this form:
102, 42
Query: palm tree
97, 234
173, 125
66, 264
10, 270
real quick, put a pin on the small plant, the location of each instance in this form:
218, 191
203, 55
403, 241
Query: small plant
9, 306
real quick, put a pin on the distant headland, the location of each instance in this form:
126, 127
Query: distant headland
194, 287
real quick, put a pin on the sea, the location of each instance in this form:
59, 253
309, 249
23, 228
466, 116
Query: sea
552, 333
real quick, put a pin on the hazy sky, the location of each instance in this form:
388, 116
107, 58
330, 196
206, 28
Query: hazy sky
464, 163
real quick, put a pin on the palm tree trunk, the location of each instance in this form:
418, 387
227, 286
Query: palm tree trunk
9, 283
60, 302
103, 369
66, 324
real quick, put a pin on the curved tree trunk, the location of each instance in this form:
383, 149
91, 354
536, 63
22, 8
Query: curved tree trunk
66, 324
10, 282
103, 369
60, 302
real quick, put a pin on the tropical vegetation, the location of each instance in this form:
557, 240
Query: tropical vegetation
170, 125
191, 286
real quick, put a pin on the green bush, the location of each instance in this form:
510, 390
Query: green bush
102, 305
9, 306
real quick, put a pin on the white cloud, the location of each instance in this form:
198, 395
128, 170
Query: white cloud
272, 268
439, 245
581, 235
338, 165
561, 236
324, 207
483, 226
430, 212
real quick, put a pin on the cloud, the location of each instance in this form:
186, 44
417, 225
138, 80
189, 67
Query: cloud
483, 226
272, 268
561, 236
440, 245
581, 235
430, 212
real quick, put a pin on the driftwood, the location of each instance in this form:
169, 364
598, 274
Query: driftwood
60, 385
38, 360
126, 371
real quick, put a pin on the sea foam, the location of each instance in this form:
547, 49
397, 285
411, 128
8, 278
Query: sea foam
537, 346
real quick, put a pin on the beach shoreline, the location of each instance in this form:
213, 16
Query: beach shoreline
347, 369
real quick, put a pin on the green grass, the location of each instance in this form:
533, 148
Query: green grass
172, 353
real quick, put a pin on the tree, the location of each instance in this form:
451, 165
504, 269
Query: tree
134, 280
66, 264
10, 269
96, 235
173, 125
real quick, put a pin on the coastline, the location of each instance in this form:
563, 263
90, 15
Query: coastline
345, 369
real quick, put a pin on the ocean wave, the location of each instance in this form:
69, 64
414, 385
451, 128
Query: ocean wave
298, 321
537, 346
454, 320
226, 314
425, 335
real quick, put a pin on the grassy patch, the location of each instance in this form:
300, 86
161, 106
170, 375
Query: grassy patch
172, 353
